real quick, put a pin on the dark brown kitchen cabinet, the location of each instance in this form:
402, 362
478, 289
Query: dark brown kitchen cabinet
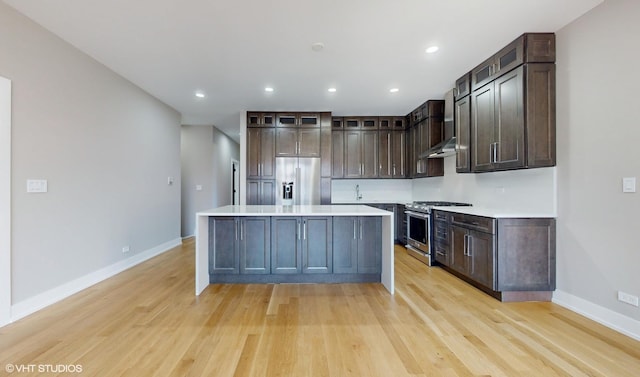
462, 120
261, 191
337, 152
473, 251
463, 86
512, 259
305, 120
528, 48
361, 154
504, 133
392, 123
392, 154
425, 132
261, 120
297, 142
260, 153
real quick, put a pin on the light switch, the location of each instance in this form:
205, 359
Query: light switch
36, 185
198, 187
170, 181
629, 184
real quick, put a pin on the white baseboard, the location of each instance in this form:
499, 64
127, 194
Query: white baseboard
607, 317
42, 300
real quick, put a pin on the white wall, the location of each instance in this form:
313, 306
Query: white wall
106, 148
598, 134
206, 155
527, 190
372, 190
5, 201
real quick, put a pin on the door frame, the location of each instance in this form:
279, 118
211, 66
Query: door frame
5, 201
235, 182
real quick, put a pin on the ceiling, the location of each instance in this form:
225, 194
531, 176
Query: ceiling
232, 49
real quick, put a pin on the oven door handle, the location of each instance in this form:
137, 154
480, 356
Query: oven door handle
417, 214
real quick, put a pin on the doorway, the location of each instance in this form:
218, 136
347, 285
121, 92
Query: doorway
5, 201
235, 182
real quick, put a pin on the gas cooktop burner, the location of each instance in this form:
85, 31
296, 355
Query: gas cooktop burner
425, 206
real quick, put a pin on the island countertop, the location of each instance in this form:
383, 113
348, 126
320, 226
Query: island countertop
295, 210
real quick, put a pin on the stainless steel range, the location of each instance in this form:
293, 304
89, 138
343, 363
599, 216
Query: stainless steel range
419, 228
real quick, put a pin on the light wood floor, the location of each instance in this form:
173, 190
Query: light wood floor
147, 321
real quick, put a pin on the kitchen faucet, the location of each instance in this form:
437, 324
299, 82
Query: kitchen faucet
358, 195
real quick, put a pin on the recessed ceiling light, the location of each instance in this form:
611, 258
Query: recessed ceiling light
200, 94
394, 90
268, 89
331, 90
432, 49
317, 47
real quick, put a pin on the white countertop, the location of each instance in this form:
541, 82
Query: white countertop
305, 210
496, 213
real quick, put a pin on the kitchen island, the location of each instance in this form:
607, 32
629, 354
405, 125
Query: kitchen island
294, 244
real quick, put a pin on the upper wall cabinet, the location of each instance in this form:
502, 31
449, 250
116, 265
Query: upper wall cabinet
261, 120
513, 124
528, 48
306, 120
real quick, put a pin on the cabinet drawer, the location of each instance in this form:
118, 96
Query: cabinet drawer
482, 224
441, 253
440, 232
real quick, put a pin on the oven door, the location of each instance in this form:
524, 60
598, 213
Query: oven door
418, 227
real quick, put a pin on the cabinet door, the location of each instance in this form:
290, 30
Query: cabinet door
398, 154
345, 245
255, 245
463, 134
285, 245
369, 154
309, 120
267, 153
223, 245
482, 128
541, 114
261, 192
286, 120
413, 148
442, 253
370, 245
481, 253
309, 142
509, 57
317, 245
286, 142
353, 154
337, 152
254, 157
385, 154
458, 249
509, 149
435, 166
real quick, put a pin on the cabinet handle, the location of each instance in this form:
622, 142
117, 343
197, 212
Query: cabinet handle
241, 231
394, 170
469, 246
236, 229
304, 230
360, 228
495, 152
355, 230
298, 229
465, 245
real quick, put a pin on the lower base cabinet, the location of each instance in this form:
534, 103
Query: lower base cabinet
513, 259
320, 249
239, 245
301, 245
357, 245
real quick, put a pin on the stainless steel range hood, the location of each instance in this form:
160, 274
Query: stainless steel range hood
448, 146
442, 149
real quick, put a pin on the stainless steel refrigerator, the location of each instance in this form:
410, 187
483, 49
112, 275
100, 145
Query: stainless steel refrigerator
304, 172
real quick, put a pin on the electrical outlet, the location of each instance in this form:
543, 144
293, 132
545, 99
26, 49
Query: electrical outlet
628, 298
125, 249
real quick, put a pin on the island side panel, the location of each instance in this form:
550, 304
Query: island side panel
202, 253
387, 253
